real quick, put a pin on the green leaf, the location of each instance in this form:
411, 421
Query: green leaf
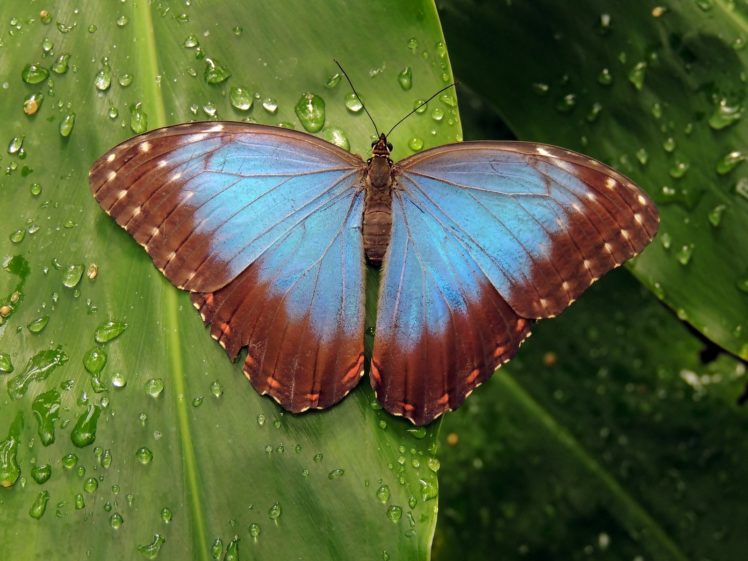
657, 92
157, 444
614, 434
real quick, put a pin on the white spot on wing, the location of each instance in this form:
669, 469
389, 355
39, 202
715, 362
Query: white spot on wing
625, 234
543, 152
641, 199
137, 211
176, 176
198, 137
111, 175
110, 157
162, 163
121, 194
610, 183
608, 248
145, 146
154, 232
638, 218
216, 128
591, 196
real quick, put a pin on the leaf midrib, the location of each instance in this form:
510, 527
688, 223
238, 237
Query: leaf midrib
149, 63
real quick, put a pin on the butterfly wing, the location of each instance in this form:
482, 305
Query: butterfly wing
486, 238
262, 226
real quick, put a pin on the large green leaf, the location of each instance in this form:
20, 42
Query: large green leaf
657, 91
614, 435
205, 462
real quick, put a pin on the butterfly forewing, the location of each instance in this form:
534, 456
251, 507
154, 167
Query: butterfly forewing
262, 225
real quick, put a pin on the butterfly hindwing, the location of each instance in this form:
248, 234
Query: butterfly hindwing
487, 237
262, 225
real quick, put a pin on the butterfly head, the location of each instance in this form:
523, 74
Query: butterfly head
381, 147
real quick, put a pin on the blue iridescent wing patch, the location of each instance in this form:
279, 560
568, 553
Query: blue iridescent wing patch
262, 226
488, 237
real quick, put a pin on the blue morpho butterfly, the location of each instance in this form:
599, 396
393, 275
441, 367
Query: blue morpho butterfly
269, 229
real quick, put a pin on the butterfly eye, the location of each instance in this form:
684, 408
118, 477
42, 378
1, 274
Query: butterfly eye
389, 146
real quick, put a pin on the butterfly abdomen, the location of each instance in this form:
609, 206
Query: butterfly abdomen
377, 224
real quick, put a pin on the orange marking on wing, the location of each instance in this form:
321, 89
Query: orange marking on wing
273, 383
374, 373
354, 372
313, 397
520, 324
499, 351
209, 299
472, 376
225, 329
443, 400
407, 407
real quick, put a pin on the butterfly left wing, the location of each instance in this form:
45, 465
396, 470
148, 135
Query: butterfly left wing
262, 226
488, 237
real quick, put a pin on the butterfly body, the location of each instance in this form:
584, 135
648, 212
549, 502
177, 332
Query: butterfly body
270, 230
377, 223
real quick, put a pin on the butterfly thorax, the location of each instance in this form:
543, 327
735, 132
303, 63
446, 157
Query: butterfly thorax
378, 204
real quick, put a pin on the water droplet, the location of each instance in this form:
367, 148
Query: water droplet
275, 512
45, 17
32, 103
17, 236
215, 72
15, 144
741, 187
84, 432
637, 75
191, 41
241, 98
728, 162
67, 124
678, 169
95, 360
429, 490
39, 367
90, 485
237, 30
415, 144
36, 189
669, 144
10, 471
109, 331
118, 380
566, 103
270, 105
6, 365
41, 473
318, 457
383, 494
642, 156
336, 473
116, 521
353, 103
154, 387
125, 79
216, 549
197, 402
46, 410
605, 77
594, 112
310, 109
38, 325
684, 254
333, 81
34, 74
103, 79
138, 119
437, 114
113, 112
144, 455
232, 550
69, 461
704, 5
725, 115
61, 63
394, 513
151, 550
166, 515
715, 215
255, 530
405, 78
337, 137
40, 505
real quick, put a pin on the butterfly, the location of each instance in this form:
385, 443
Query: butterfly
270, 230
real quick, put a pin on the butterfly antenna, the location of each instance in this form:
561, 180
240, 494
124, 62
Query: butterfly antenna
417, 107
357, 96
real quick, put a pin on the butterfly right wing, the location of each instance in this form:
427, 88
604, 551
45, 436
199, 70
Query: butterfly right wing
262, 225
